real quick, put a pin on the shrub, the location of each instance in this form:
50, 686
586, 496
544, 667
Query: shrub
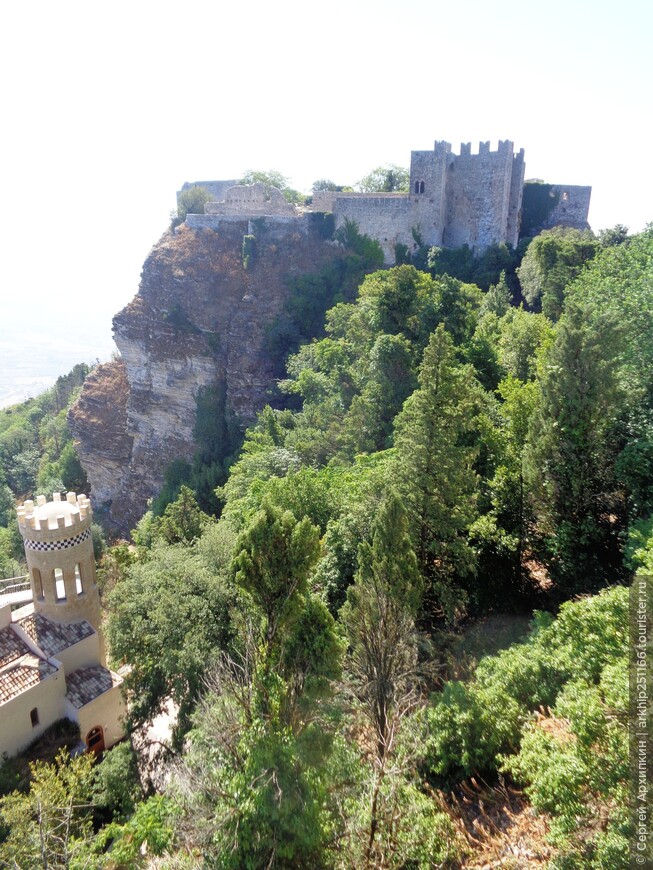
190, 201
470, 724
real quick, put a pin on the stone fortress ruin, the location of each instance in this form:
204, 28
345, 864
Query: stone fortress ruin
453, 200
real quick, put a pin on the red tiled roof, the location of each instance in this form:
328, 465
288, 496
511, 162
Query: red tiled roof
85, 684
52, 637
22, 674
11, 646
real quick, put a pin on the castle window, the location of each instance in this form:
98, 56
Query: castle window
60, 589
419, 187
78, 579
38, 584
34, 717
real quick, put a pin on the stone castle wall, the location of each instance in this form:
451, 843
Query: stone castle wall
516, 196
466, 199
479, 197
324, 200
572, 207
388, 218
428, 189
453, 200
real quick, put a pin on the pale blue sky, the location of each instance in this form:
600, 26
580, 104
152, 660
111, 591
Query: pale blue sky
108, 107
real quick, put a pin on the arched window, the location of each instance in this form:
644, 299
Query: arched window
78, 579
417, 187
38, 584
422, 187
60, 589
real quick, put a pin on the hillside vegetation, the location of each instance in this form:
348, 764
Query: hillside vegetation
443, 452
36, 455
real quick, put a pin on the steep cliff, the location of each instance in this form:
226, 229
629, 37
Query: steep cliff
198, 320
99, 422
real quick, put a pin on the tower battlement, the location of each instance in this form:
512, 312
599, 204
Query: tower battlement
60, 559
505, 147
43, 520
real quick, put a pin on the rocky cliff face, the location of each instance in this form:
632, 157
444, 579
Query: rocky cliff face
99, 421
199, 320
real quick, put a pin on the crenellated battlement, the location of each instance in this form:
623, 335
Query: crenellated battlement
504, 148
56, 519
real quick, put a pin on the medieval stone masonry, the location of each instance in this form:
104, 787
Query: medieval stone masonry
453, 200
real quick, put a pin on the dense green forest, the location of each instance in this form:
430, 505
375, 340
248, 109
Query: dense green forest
36, 454
469, 440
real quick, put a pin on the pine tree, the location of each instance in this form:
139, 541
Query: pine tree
434, 470
274, 556
255, 777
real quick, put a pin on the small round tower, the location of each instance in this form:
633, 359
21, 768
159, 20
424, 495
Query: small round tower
60, 560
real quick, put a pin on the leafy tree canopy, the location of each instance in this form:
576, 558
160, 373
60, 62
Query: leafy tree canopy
553, 259
272, 178
385, 179
190, 201
169, 617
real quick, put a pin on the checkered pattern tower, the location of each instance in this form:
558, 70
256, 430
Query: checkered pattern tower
60, 560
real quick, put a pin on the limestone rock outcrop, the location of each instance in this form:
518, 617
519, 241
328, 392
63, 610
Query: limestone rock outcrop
99, 421
200, 319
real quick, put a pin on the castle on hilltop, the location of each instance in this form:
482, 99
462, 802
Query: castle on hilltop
453, 200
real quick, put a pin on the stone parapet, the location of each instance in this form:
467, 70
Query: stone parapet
55, 521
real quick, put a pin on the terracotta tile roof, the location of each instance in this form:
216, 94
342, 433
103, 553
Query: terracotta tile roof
52, 637
22, 674
85, 684
11, 646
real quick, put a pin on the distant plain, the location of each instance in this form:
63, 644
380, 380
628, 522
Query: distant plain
31, 360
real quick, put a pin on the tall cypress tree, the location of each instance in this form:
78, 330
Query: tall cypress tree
434, 471
571, 454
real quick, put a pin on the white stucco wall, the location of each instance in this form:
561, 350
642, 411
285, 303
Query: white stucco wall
107, 710
49, 698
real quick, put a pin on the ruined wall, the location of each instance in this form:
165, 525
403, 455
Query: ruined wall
572, 207
217, 221
251, 199
217, 189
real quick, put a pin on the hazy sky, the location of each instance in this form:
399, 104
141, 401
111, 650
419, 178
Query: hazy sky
107, 108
